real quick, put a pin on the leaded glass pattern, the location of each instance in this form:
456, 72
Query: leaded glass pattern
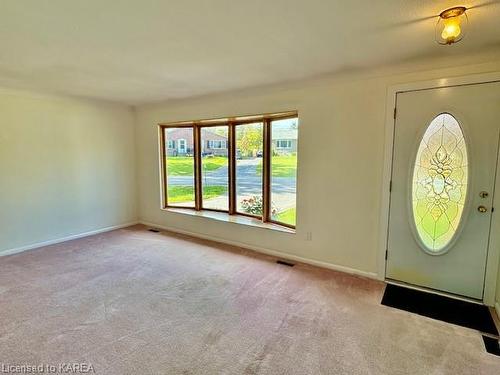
439, 184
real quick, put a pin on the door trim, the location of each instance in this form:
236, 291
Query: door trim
493, 255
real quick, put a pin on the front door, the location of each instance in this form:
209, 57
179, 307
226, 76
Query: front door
444, 166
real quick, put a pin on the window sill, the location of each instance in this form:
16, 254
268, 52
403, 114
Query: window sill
236, 219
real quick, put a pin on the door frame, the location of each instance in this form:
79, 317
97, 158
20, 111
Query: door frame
493, 255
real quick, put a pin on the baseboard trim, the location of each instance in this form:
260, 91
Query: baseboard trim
64, 239
497, 309
275, 253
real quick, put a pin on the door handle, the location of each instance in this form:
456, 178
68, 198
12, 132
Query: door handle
482, 209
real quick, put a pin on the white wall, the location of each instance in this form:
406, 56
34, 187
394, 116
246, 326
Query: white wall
341, 152
67, 166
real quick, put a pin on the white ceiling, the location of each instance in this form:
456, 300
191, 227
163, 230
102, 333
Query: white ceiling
135, 51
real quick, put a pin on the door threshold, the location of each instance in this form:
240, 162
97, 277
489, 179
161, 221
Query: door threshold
434, 291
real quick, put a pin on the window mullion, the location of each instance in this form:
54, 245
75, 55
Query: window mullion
232, 168
197, 168
163, 165
266, 170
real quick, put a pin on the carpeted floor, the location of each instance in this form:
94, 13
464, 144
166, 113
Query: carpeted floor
137, 302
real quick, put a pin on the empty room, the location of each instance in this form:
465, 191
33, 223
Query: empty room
250, 187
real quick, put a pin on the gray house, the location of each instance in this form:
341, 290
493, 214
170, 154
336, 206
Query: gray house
284, 141
180, 142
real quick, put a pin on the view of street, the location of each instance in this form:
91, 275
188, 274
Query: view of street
248, 179
248, 183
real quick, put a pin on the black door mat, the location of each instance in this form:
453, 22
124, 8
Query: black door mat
465, 314
492, 345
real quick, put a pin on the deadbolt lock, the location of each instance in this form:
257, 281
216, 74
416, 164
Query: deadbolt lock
483, 194
482, 209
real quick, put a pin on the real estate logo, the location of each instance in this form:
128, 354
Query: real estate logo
46, 368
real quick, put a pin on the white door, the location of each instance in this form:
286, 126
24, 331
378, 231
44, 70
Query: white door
444, 165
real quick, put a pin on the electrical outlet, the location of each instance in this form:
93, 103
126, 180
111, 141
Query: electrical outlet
309, 236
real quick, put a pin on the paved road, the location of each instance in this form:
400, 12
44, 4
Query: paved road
247, 179
248, 183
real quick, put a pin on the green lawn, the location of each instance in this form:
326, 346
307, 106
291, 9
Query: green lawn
184, 166
287, 217
282, 166
179, 194
213, 163
180, 166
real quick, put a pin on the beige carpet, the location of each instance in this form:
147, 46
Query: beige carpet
136, 302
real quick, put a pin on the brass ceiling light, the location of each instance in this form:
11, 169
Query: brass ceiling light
451, 25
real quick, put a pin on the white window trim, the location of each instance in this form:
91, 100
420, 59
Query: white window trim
221, 144
184, 144
280, 142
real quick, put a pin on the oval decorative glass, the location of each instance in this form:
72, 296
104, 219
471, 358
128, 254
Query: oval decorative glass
439, 186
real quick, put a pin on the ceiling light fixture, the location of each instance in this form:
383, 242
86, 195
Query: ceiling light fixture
451, 25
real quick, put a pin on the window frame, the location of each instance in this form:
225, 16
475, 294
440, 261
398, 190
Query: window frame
231, 123
163, 161
235, 196
200, 127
